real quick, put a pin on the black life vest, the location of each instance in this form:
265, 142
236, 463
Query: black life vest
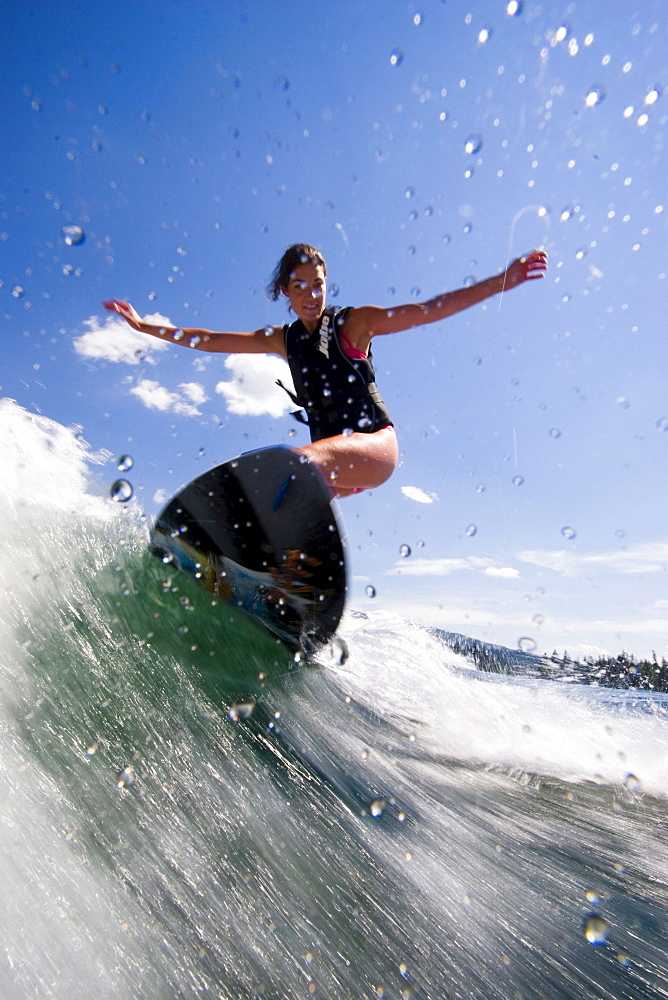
338, 393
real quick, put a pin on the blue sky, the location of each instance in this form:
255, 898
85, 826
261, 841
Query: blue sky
420, 146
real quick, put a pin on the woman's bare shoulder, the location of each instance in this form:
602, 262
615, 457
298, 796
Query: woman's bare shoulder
370, 321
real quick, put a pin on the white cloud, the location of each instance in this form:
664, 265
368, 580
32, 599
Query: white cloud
157, 397
113, 340
655, 627
450, 617
647, 558
507, 572
252, 390
429, 567
201, 362
445, 567
194, 392
415, 493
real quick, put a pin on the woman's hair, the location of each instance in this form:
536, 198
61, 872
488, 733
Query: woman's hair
298, 253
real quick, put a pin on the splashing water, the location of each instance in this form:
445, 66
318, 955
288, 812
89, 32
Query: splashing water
254, 825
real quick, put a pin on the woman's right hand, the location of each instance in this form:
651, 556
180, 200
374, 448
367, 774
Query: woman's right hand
128, 312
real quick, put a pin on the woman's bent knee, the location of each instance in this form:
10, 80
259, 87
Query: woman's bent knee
358, 460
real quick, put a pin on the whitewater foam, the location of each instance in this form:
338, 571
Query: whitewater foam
397, 822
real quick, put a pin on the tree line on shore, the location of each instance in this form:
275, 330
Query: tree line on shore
621, 671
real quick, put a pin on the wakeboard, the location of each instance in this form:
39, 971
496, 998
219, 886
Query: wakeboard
261, 532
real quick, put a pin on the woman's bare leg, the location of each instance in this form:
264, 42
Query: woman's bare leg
355, 461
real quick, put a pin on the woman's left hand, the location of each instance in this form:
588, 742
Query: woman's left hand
528, 268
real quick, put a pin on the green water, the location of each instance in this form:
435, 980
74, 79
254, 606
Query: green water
189, 812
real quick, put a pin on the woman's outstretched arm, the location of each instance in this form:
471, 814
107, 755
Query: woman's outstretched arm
268, 340
375, 321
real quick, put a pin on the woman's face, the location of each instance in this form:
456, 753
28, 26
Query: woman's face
307, 292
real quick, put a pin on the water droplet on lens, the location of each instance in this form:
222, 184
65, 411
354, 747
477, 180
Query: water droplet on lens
140, 355
473, 143
73, 235
662, 424
596, 929
632, 783
125, 778
568, 532
364, 422
194, 341
404, 551
177, 335
518, 480
370, 591
338, 651
121, 491
595, 95
333, 291
377, 806
480, 488
241, 711
125, 462
555, 432
526, 644
515, 8
537, 619
568, 211
396, 57
18, 291
471, 530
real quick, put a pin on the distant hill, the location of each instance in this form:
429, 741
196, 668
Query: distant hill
622, 671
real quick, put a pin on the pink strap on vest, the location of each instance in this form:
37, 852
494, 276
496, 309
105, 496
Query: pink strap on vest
349, 350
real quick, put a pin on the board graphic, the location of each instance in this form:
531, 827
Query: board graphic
261, 532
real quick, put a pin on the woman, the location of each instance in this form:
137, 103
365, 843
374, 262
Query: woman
329, 354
